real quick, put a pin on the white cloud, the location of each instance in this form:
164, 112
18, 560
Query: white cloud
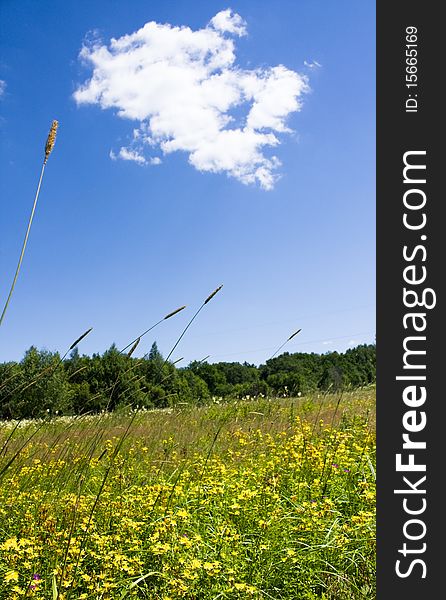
327, 343
134, 156
128, 154
313, 64
182, 86
228, 21
2, 87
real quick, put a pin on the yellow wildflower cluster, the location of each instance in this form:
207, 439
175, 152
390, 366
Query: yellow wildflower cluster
265, 514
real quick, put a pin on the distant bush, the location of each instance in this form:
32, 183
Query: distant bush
41, 383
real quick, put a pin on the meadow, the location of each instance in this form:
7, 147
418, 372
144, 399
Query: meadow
270, 498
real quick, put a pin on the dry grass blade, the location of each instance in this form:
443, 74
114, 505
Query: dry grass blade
76, 372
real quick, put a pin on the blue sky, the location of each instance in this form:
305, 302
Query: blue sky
116, 244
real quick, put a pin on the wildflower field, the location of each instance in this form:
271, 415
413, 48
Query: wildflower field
263, 498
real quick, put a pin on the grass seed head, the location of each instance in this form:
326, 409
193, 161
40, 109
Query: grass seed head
174, 312
292, 335
133, 348
213, 294
76, 342
51, 140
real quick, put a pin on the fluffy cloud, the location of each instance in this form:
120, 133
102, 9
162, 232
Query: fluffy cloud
2, 87
228, 21
186, 93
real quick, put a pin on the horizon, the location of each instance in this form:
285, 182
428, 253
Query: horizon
204, 360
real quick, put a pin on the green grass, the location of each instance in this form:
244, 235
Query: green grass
250, 499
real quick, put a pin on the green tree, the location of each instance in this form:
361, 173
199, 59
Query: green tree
41, 386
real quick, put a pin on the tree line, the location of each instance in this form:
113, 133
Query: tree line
43, 383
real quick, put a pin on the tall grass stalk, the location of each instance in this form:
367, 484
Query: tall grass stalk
192, 320
137, 339
285, 342
134, 343
48, 149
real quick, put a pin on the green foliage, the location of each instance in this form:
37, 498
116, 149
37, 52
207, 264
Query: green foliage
290, 374
36, 387
43, 384
191, 388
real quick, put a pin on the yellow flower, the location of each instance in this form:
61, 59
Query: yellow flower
10, 544
195, 563
11, 576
